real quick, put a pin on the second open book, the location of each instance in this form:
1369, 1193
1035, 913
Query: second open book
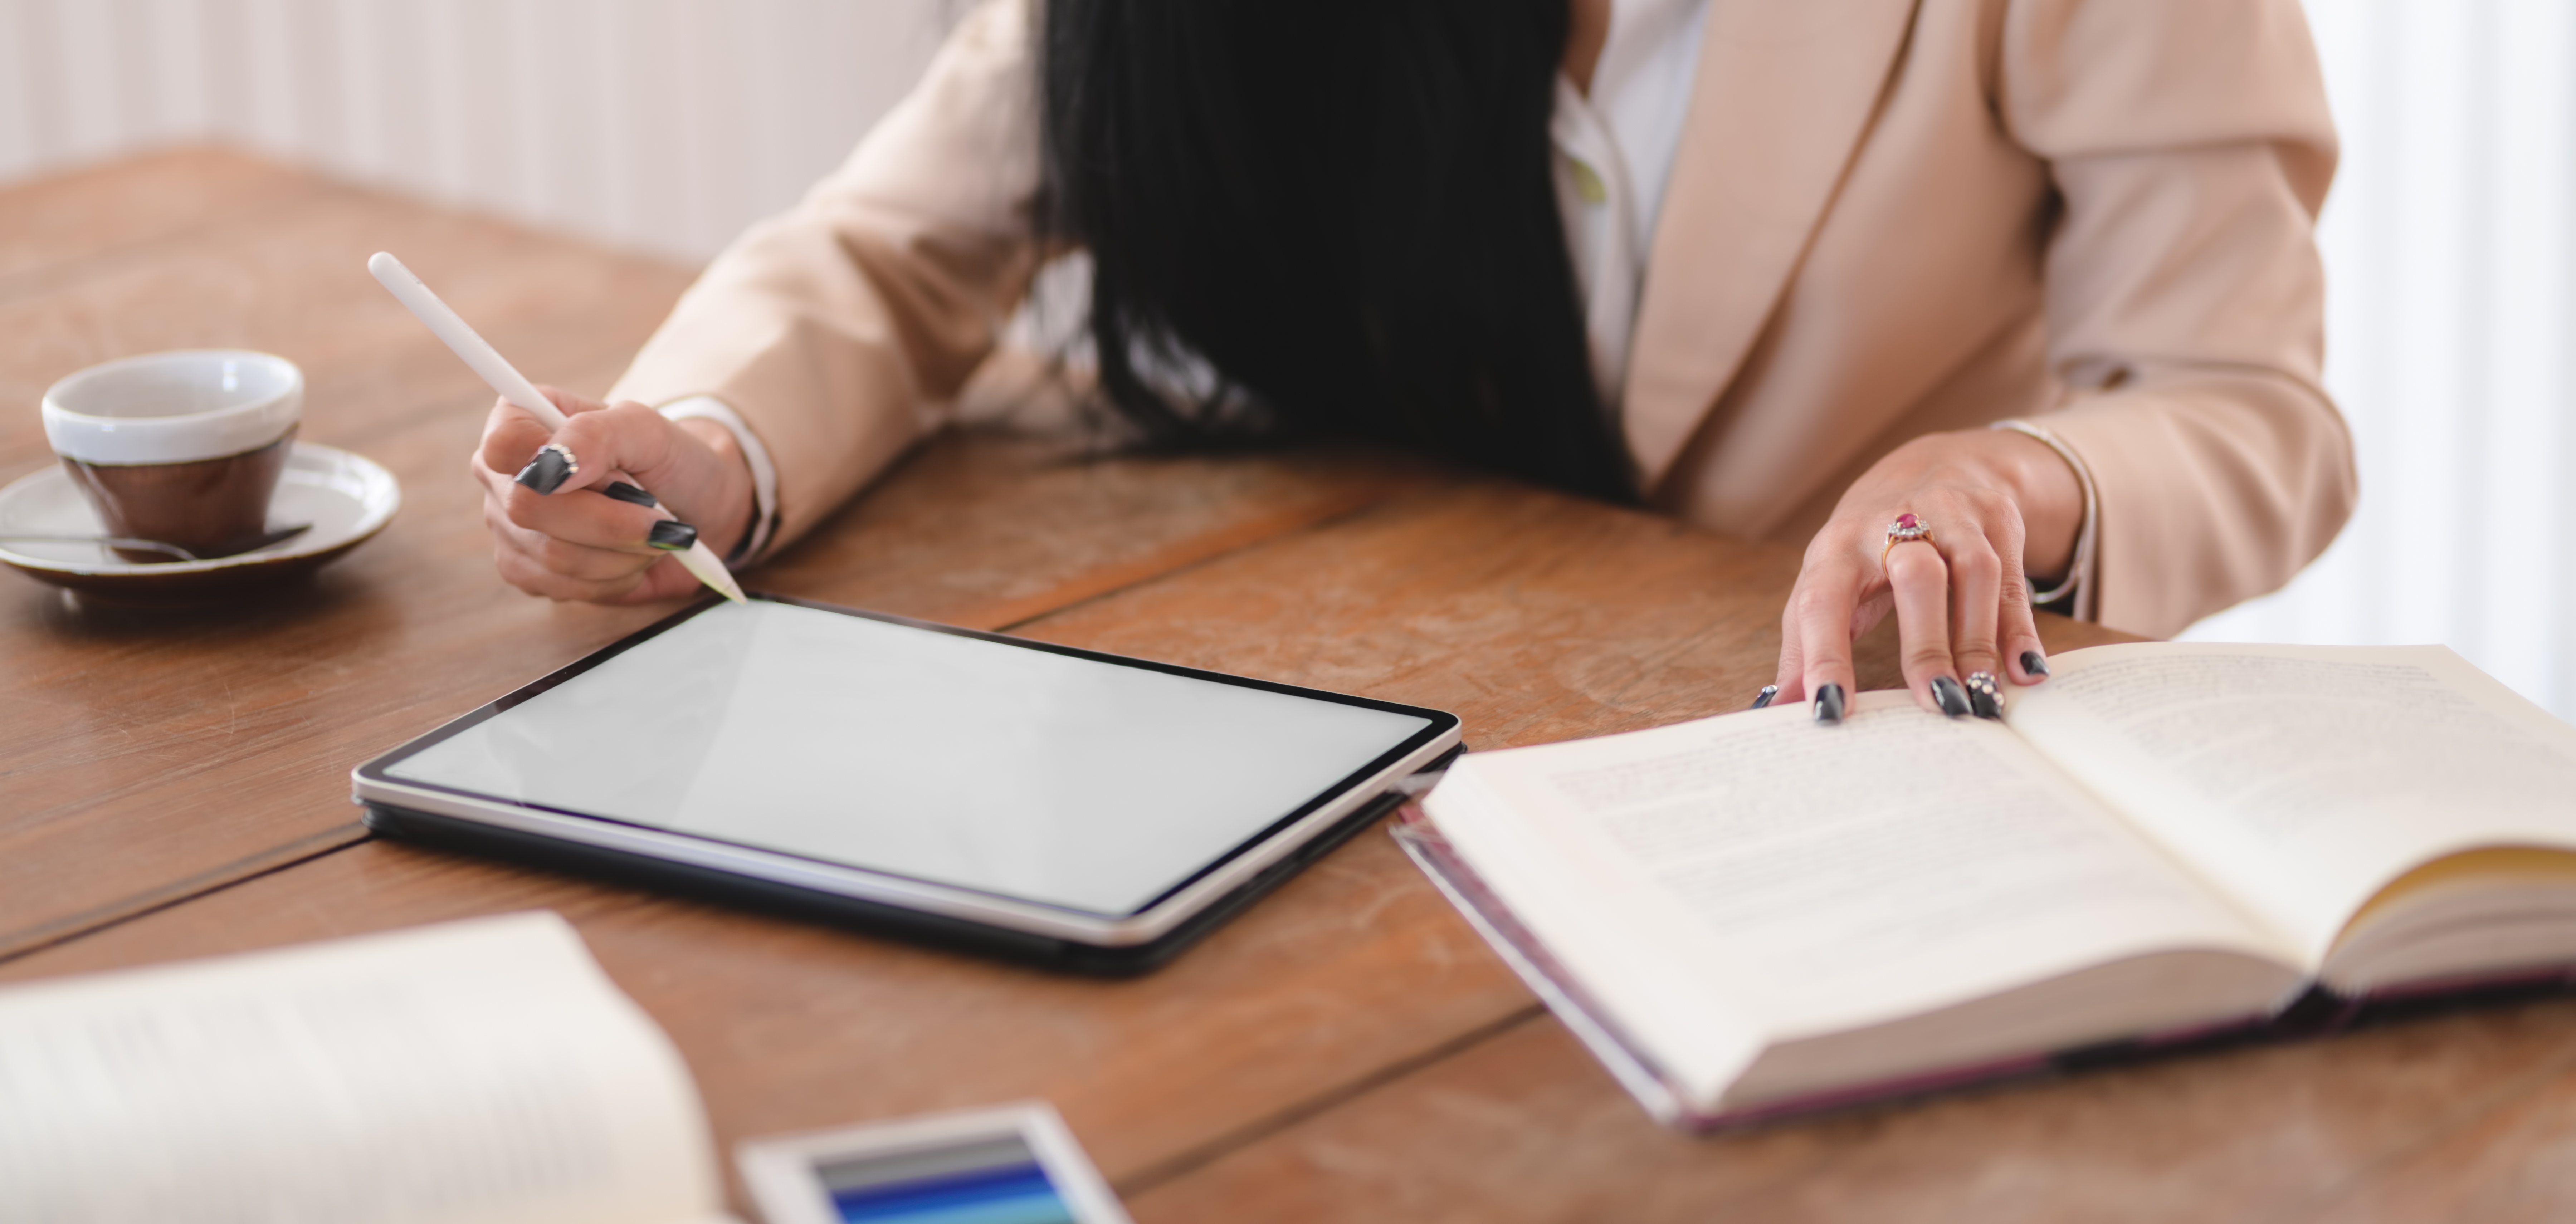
1750, 914
485, 1071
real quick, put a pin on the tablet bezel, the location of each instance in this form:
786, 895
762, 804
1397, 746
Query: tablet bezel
1210, 884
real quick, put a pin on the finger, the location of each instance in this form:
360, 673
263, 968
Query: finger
1789, 681
2030, 661
1789, 684
510, 437
542, 565
597, 444
1921, 582
1821, 612
521, 572
2017, 621
662, 579
511, 434
586, 562
668, 579
1976, 592
586, 517
565, 557
518, 555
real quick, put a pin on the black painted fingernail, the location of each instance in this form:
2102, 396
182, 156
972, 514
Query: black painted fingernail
547, 472
1764, 697
629, 494
2032, 664
1953, 699
1984, 697
1829, 704
672, 535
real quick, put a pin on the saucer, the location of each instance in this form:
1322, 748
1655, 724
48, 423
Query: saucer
346, 497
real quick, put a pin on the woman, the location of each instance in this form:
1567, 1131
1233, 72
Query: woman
1774, 268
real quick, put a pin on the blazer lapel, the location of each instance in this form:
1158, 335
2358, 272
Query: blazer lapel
1784, 91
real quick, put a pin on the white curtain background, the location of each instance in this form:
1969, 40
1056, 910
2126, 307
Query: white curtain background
659, 125
2450, 328
667, 125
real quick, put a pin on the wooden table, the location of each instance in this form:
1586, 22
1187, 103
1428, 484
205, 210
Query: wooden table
175, 785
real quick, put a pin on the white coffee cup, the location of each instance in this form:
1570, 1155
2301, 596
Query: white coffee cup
182, 447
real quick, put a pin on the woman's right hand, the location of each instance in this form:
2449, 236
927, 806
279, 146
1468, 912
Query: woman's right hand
575, 542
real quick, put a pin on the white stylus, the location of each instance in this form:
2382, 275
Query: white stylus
514, 387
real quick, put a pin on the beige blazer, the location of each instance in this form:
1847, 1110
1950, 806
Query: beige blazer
1887, 217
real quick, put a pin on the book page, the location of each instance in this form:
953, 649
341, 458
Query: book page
2303, 778
483, 1070
1815, 878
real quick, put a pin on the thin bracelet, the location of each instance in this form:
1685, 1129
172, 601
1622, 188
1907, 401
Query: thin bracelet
764, 474
2081, 570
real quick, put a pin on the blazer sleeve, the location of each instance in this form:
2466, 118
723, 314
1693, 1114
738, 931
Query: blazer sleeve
2190, 147
840, 330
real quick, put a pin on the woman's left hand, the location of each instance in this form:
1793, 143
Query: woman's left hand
1998, 504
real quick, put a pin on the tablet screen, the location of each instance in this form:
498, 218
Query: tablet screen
1050, 777
996, 1179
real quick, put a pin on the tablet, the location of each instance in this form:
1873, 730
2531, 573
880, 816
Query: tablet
1079, 808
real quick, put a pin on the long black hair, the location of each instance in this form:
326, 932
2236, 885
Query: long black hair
1345, 208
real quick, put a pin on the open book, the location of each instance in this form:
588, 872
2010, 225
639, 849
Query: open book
1751, 915
483, 1070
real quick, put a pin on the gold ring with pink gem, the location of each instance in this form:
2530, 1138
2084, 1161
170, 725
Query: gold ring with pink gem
1905, 529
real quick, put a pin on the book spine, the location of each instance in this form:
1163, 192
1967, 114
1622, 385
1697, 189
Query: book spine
1540, 971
